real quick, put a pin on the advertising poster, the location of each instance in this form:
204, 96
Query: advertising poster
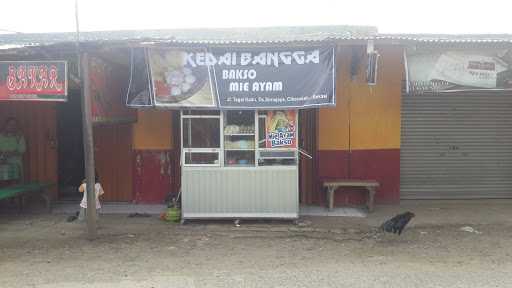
281, 129
447, 70
33, 80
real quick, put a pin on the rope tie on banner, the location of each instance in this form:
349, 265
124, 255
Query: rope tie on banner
131, 77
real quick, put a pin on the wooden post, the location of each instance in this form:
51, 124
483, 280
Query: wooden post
88, 149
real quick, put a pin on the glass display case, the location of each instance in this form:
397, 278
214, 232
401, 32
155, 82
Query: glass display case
239, 138
201, 140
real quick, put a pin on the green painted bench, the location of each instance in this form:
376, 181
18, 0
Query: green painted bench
19, 191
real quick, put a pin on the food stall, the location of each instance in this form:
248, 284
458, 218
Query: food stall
231, 168
238, 119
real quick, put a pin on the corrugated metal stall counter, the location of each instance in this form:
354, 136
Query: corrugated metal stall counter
252, 192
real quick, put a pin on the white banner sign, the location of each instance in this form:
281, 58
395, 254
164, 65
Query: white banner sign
459, 70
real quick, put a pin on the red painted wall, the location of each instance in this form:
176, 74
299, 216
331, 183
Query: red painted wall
152, 176
380, 165
155, 160
155, 175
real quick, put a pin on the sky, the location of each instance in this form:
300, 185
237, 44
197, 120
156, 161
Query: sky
389, 16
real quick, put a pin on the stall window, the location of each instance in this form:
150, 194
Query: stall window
201, 138
239, 138
247, 138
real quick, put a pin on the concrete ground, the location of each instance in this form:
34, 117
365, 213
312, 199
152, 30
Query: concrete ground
40, 250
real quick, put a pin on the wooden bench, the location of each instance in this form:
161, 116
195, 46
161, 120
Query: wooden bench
333, 185
20, 191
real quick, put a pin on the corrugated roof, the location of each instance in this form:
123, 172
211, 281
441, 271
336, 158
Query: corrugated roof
268, 35
219, 36
449, 38
433, 38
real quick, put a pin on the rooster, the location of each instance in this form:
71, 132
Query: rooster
397, 224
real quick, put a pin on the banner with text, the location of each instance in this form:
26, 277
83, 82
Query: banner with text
291, 77
449, 70
33, 80
243, 78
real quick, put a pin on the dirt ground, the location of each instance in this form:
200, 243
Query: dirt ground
38, 250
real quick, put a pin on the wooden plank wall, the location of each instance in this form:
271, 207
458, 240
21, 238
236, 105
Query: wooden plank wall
38, 124
113, 157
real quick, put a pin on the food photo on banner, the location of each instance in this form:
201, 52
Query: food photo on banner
33, 80
176, 83
451, 70
281, 129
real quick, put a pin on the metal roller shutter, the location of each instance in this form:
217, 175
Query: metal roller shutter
456, 145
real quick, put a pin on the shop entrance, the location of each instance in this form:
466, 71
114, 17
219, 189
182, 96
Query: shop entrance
37, 123
456, 145
113, 160
112, 148
70, 149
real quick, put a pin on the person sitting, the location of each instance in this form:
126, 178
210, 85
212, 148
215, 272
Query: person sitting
12, 148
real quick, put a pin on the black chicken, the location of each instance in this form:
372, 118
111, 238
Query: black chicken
73, 217
397, 223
